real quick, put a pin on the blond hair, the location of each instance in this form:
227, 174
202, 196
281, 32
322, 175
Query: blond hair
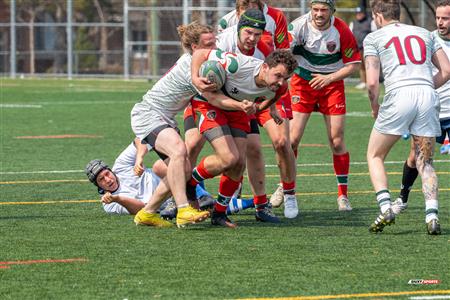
190, 34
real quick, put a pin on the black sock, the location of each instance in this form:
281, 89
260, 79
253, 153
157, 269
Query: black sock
409, 176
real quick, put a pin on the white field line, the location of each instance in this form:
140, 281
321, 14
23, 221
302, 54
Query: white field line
357, 163
430, 297
267, 166
40, 104
20, 106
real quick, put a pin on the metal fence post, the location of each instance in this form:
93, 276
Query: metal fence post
69, 31
185, 12
126, 67
12, 54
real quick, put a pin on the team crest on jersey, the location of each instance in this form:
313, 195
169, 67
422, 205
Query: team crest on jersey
211, 114
331, 46
295, 99
234, 90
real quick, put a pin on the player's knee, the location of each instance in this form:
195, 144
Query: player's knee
254, 153
229, 160
337, 144
178, 153
281, 144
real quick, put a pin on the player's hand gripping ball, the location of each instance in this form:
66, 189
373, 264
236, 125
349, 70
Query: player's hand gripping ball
214, 72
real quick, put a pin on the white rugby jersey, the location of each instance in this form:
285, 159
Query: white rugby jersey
228, 41
131, 186
319, 51
444, 90
405, 53
172, 93
241, 71
275, 31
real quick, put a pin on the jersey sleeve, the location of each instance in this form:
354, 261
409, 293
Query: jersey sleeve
435, 44
294, 33
369, 46
115, 208
222, 25
281, 33
349, 47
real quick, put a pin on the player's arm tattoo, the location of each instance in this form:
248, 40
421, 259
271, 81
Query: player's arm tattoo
372, 64
424, 148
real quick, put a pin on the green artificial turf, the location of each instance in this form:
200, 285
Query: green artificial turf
322, 252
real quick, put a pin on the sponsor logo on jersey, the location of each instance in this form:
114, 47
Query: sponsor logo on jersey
234, 90
295, 99
331, 46
211, 114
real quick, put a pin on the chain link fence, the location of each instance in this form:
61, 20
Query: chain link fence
123, 38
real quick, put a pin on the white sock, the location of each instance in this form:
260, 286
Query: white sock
431, 210
384, 200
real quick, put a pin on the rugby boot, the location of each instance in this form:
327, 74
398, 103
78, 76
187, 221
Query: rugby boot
189, 215
398, 206
265, 214
386, 218
277, 197
150, 219
343, 203
433, 227
221, 219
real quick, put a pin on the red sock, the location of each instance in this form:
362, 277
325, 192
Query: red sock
227, 187
199, 174
260, 201
341, 165
288, 187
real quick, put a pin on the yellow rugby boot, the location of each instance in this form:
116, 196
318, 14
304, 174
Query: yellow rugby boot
189, 215
150, 219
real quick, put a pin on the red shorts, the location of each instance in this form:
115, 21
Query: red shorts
213, 117
189, 112
329, 101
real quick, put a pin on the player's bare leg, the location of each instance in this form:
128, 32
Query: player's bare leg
297, 128
279, 135
194, 144
377, 150
424, 149
255, 165
229, 181
256, 176
170, 143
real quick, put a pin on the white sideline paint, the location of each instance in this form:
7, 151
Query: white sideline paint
360, 114
430, 297
20, 106
355, 163
267, 166
85, 102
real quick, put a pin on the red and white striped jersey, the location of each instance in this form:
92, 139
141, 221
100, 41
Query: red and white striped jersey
320, 51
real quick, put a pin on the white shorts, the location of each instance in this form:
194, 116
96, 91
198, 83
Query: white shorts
411, 109
145, 120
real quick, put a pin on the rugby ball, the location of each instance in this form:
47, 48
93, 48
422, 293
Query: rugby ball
214, 72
